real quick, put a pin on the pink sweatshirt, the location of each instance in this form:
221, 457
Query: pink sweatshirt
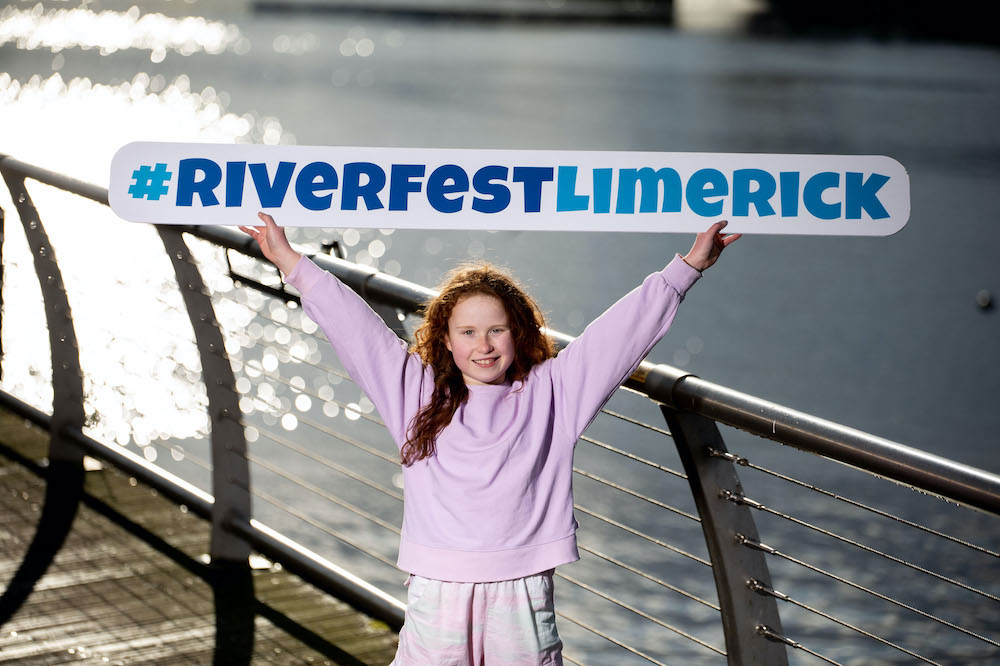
495, 502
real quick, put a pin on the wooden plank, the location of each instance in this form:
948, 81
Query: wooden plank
110, 594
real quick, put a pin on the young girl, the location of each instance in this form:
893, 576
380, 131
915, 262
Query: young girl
486, 420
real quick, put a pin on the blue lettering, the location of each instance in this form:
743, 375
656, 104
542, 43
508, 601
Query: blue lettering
353, 189
532, 177
706, 184
315, 177
438, 187
743, 197
602, 190
649, 182
566, 197
498, 192
812, 195
271, 194
187, 186
864, 195
235, 174
400, 184
789, 193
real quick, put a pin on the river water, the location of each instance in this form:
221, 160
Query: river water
880, 334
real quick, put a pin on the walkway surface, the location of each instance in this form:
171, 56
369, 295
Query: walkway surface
111, 597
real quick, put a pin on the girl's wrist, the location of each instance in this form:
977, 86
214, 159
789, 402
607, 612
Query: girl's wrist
288, 262
693, 264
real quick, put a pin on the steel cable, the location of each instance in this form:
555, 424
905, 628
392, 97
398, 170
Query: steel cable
302, 483
647, 576
641, 424
632, 456
270, 499
637, 533
326, 462
610, 639
333, 433
771, 634
258, 367
773, 551
622, 604
874, 551
612, 484
885, 514
763, 589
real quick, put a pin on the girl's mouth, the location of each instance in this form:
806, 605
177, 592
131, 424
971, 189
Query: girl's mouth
485, 363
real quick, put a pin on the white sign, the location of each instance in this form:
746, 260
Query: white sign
542, 190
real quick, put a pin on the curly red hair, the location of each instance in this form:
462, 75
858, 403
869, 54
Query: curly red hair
531, 347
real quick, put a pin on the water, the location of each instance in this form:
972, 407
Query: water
880, 334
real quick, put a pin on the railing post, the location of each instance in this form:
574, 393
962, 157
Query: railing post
747, 617
230, 470
64, 473
232, 582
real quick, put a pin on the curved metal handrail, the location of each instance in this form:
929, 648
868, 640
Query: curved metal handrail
65, 461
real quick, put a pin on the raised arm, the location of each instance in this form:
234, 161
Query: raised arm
593, 366
371, 353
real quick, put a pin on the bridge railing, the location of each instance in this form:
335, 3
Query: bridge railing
688, 549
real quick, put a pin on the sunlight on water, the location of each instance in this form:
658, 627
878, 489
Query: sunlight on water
75, 127
112, 31
142, 371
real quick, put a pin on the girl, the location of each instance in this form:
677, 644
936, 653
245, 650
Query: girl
486, 420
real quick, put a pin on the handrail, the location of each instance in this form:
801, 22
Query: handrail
954, 481
298, 559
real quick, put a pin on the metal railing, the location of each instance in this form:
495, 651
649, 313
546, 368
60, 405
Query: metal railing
674, 566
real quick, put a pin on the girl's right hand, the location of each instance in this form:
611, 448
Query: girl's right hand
273, 243
708, 245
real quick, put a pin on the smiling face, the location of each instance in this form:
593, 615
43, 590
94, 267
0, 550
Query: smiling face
480, 339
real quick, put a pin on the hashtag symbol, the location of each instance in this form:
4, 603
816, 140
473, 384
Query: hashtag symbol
150, 183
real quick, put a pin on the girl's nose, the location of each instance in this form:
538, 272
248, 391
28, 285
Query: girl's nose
484, 344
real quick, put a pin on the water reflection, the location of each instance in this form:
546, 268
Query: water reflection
111, 31
143, 381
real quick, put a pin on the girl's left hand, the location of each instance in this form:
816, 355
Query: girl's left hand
708, 245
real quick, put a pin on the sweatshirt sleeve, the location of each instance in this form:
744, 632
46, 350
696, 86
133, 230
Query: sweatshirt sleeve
593, 366
375, 358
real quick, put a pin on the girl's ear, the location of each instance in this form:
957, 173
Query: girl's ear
447, 340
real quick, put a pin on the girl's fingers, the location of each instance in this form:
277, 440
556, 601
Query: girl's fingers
718, 227
253, 232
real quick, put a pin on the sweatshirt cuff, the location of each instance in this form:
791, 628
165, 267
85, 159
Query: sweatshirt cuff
305, 275
680, 275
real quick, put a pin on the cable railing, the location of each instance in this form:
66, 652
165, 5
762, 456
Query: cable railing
688, 552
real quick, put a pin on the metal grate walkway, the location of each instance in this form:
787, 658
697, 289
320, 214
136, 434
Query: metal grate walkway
130, 584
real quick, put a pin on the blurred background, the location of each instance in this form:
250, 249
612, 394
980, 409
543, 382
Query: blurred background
897, 336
